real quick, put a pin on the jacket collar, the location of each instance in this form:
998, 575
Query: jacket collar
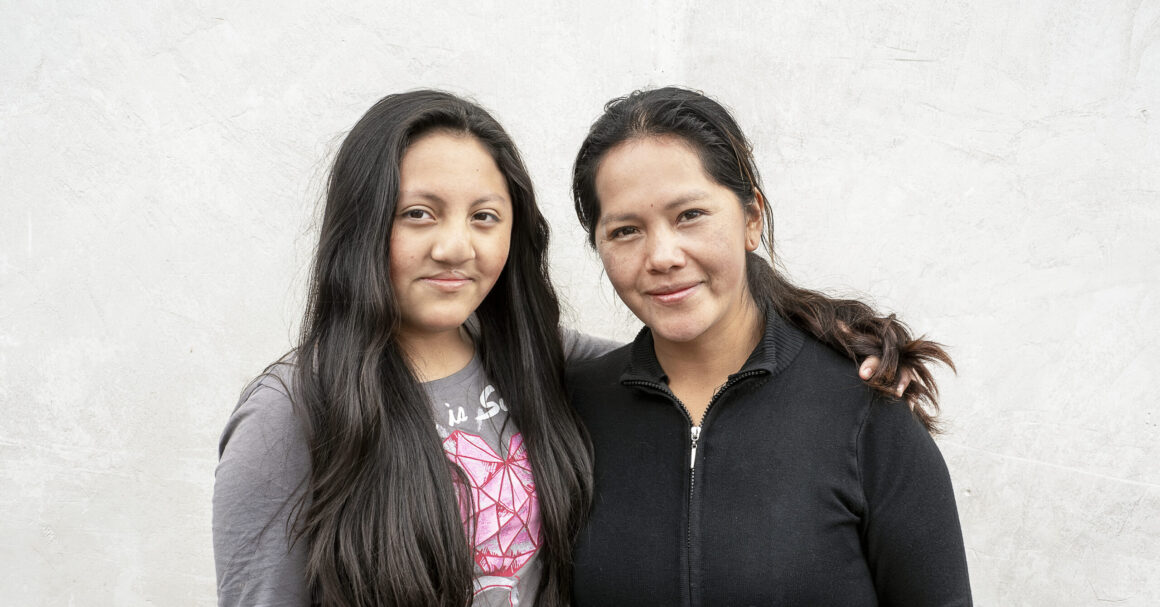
777, 348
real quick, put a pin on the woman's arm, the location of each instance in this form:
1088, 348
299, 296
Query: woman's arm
914, 545
261, 474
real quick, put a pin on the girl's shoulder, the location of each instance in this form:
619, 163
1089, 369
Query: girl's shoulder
264, 416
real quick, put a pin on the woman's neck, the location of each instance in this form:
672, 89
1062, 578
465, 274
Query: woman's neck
697, 368
437, 355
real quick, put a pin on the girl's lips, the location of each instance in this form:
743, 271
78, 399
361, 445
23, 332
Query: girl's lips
672, 295
446, 283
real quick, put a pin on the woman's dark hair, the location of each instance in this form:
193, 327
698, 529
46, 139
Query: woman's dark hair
380, 516
848, 325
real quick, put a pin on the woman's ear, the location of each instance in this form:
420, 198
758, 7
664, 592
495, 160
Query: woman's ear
754, 221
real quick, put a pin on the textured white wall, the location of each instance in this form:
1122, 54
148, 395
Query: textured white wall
990, 170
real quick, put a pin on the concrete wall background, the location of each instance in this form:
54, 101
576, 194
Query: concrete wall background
989, 170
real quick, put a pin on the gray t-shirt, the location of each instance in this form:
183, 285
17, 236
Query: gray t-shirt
264, 463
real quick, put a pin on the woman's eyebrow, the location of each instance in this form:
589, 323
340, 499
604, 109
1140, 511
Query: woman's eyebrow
681, 200
684, 199
606, 219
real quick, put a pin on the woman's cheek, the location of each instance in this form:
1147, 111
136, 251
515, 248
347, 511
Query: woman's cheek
616, 264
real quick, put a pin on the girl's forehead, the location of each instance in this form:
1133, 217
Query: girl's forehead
446, 159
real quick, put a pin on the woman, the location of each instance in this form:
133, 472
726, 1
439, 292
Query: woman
739, 460
334, 485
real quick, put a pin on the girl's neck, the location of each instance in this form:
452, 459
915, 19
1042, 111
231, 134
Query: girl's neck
437, 355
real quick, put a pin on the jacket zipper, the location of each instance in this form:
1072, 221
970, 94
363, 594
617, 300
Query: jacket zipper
695, 433
695, 437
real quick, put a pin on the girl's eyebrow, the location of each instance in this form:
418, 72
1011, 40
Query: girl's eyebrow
424, 194
489, 198
437, 199
681, 200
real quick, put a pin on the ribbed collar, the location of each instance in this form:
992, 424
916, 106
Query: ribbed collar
777, 348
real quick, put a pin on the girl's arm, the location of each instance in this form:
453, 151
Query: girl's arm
581, 346
260, 476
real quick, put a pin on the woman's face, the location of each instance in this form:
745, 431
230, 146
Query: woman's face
451, 232
673, 241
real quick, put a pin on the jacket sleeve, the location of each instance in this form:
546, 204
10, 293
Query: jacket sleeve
914, 545
261, 473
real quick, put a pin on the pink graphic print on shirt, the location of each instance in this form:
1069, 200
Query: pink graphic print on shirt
507, 513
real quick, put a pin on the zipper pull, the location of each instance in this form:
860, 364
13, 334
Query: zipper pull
695, 432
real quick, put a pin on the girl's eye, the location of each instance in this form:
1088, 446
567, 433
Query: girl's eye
416, 214
691, 214
621, 232
487, 216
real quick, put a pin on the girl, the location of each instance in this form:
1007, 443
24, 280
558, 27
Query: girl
334, 484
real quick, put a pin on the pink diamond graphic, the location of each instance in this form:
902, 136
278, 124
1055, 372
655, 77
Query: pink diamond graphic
507, 525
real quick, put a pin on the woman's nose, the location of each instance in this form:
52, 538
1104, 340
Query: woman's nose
664, 252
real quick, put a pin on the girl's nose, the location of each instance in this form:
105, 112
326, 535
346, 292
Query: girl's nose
453, 245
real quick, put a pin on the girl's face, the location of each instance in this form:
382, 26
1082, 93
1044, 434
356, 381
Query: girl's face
673, 241
451, 233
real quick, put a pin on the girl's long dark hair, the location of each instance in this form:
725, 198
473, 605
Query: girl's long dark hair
848, 325
380, 516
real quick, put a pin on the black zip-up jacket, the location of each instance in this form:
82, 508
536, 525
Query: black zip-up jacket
802, 488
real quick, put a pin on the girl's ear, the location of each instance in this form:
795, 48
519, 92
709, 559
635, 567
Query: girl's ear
754, 221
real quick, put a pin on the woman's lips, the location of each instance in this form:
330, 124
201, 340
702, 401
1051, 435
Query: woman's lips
673, 294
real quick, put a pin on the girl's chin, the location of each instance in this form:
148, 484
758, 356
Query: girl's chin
434, 328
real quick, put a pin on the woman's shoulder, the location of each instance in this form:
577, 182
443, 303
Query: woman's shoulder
824, 359
827, 385
834, 377
592, 378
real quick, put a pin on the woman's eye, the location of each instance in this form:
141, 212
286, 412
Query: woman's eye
621, 232
487, 216
691, 214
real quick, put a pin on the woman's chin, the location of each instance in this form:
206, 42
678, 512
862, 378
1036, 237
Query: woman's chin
677, 333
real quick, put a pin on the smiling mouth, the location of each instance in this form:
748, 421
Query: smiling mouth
446, 283
672, 295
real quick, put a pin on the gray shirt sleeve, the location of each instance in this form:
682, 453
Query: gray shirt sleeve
261, 474
581, 346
